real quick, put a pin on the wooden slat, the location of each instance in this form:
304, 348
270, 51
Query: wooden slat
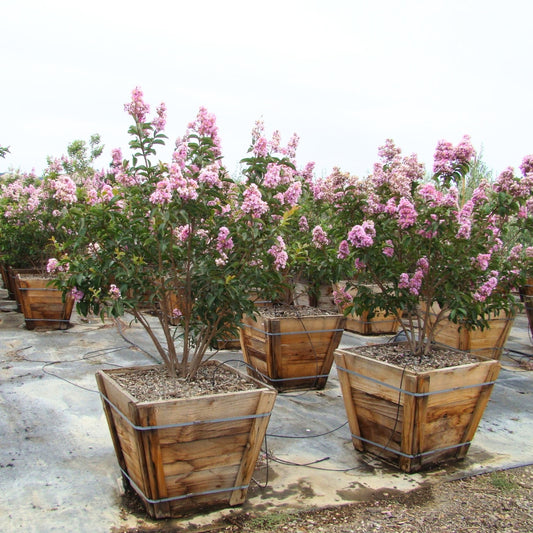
349, 405
256, 435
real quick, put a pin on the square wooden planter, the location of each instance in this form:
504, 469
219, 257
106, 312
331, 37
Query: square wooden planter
380, 323
413, 419
526, 294
43, 306
291, 353
488, 342
188, 454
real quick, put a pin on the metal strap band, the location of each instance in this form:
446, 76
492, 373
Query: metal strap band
181, 424
182, 497
410, 393
408, 455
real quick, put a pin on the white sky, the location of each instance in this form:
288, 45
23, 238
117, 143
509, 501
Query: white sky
343, 74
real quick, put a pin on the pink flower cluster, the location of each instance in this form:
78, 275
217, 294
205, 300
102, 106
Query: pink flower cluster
362, 235
341, 297
395, 171
447, 157
53, 266
406, 213
320, 237
64, 189
253, 202
344, 250
114, 292
224, 244
77, 294
137, 108
487, 288
278, 251
206, 126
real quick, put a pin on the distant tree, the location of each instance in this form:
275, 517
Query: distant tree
4, 151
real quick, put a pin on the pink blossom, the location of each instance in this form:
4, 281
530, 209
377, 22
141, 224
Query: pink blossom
293, 193
161, 119
275, 141
486, 289
444, 157
179, 156
292, 146
260, 147
389, 151
224, 241
182, 233
77, 294
515, 252
279, 254
65, 189
163, 192
482, 261
359, 265
273, 176
209, 176
303, 224
137, 108
116, 156
388, 250
258, 129
362, 235
423, 264
464, 152
344, 250
479, 195
176, 313
527, 165
253, 202
406, 213
52, 265
430, 194
307, 172
205, 125
403, 282
320, 238
341, 297
416, 281
114, 292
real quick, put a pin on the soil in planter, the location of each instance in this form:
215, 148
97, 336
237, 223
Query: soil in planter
399, 354
293, 311
154, 384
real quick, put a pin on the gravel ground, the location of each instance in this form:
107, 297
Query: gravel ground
497, 501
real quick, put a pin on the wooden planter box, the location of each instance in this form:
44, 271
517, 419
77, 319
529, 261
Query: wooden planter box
4, 271
413, 420
187, 454
291, 353
42, 306
526, 293
488, 342
381, 323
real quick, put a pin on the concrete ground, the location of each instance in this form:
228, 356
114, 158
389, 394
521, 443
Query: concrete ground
58, 470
